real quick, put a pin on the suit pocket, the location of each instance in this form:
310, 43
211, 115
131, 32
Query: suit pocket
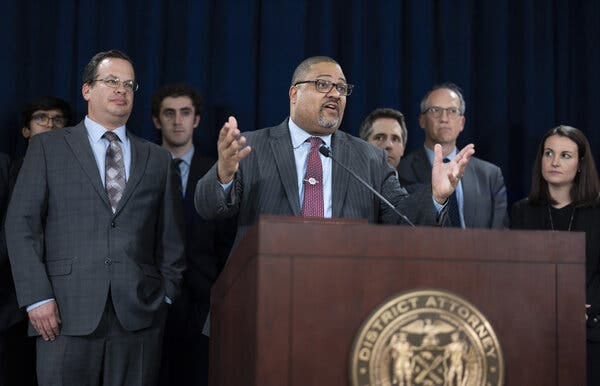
59, 268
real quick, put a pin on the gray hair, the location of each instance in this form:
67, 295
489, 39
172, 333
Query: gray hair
449, 86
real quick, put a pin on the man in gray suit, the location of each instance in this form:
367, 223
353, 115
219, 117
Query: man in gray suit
95, 267
266, 171
480, 199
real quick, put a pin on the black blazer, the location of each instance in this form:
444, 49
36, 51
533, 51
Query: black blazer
524, 215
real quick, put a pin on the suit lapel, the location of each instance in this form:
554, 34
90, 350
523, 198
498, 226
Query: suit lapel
281, 144
139, 161
77, 139
422, 167
340, 177
469, 195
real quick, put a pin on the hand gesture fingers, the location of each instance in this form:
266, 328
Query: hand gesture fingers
232, 148
446, 176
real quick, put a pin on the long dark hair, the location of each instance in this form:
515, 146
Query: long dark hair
586, 187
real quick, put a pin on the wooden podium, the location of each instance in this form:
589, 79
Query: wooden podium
292, 297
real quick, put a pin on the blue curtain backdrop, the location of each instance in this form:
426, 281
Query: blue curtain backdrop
524, 65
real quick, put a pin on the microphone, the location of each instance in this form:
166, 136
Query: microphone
327, 153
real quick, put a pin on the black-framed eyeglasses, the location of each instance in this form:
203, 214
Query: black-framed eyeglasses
129, 85
44, 119
437, 111
325, 86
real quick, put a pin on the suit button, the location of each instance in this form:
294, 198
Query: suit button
108, 261
112, 224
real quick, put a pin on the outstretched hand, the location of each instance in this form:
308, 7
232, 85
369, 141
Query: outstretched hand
232, 149
445, 176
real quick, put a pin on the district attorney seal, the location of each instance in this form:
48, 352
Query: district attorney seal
426, 338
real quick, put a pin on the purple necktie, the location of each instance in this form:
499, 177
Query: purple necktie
312, 205
114, 170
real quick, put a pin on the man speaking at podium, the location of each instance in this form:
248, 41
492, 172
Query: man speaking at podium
280, 170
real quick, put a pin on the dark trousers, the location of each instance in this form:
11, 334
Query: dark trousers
185, 348
110, 356
593, 363
17, 356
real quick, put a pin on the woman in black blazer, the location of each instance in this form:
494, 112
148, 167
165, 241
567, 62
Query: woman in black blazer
564, 196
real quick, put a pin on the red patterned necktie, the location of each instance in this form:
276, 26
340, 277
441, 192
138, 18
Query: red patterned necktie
312, 204
114, 170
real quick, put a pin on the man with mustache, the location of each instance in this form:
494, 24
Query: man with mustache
278, 170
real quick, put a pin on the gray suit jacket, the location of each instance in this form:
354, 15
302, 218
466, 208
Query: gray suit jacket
483, 188
64, 242
266, 183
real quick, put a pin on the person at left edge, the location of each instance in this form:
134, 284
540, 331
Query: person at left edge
96, 272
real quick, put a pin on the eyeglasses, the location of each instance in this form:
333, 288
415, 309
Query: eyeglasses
44, 119
325, 86
436, 112
129, 85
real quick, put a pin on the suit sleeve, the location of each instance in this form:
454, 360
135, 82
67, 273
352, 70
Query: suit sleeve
25, 227
212, 202
417, 206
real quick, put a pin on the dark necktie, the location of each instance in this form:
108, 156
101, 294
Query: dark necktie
312, 204
114, 170
177, 162
453, 213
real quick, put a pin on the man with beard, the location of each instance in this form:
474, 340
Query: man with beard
279, 170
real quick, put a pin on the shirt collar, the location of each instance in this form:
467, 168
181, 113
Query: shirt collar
96, 130
187, 157
299, 135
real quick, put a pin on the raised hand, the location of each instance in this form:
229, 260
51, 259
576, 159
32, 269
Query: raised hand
231, 148
445, 176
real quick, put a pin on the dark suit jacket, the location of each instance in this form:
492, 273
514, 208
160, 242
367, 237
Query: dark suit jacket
64, 242
483, 187
266, 183
9, 310
207, 247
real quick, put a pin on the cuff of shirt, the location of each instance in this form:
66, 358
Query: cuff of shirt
40, 303
439, 207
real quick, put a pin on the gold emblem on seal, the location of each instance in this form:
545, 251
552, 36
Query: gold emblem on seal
426, 338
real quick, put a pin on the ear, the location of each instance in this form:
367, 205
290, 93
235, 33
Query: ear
196, 120
26, 131
293, 93
157, 124
422, 121
85, 91
462, 123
